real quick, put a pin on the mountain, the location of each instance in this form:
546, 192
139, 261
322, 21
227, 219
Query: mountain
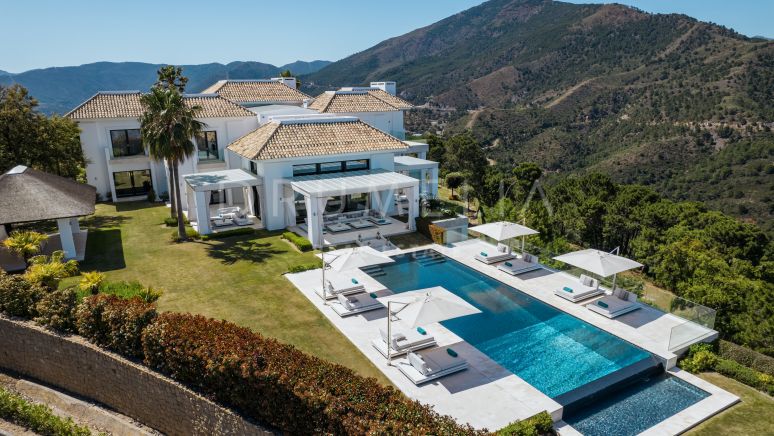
683, 106
60, 89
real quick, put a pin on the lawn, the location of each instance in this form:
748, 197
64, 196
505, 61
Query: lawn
238, 278
753, 416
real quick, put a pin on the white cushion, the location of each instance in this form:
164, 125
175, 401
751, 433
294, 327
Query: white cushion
344, 301
416, 361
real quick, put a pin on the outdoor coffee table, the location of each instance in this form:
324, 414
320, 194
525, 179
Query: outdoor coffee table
339, 227
362, 224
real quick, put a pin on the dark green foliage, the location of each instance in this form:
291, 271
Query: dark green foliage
36, 417
702, 357
229, 233
170, 222
540, 424
454, 180
305, 267
56, 310
745, 375
745, 356
300, 242
115, 323
276, 384
189, 232
18, 297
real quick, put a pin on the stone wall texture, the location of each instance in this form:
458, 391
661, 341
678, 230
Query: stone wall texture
75, 365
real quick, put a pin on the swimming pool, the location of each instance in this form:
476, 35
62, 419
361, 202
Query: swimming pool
549, 349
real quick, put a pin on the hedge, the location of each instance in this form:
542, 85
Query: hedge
36, 417
56, 310
540, 424
302, 243
305, 267
701, 357
747, 357
115, 323
18, 297
228, 233
275, 384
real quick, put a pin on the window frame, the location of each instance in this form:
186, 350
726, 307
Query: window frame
126, 147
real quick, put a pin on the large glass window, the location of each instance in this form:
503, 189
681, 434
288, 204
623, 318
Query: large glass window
207, 143
355, 165
253, 167
132, 183
126, 142
331, 167
301, 170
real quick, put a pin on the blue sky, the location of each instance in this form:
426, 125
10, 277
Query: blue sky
43, 33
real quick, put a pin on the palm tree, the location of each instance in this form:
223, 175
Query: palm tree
168, 128
25, 243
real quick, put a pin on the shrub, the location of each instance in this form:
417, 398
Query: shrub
702, 360
48, 271
150, 294
25, 243
745, 375
56, 310
436, 233
91, 282
36, 417
18, 296
540, 424
151, 196
300, 242
189, 232
305, 267
276, 384
170, 222
228, 233
115, 323
747, 357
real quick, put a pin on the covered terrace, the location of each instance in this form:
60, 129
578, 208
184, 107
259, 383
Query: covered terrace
219, 200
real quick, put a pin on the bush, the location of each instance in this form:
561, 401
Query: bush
170, 222
36, 417
228, 233
91, 282
300, 242
276, 384
305, 267
743, 374
115, 323
747, 357
540, 424
18, 296
702, 360
151, 196
56, 310
48, 271
436, 233
189, 232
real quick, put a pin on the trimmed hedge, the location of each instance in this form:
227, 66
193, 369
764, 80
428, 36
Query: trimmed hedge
299, 241
540, 424
229, 233
276, 384
305, 267
115, 323
56, 310
747, 357
19, 297
189, 232
36, 417
701, 357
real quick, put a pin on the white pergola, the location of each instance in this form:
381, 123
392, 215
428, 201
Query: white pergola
381, 184
199, 185
426, 170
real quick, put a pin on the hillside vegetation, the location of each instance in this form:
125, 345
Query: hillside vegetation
664, 100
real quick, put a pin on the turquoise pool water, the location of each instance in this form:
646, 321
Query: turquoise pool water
551, 350
635, 408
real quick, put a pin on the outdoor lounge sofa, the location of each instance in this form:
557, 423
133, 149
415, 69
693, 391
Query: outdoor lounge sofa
527, 262
424, 366
352, 305
579, 290
403, 342
620, 302
500, 253
341, 285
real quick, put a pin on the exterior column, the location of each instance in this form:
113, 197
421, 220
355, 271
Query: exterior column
413, 206
422, 155
3, 233
191, 211
434, 182
202, 213
229, 197
74, 225
66, 237
312, 230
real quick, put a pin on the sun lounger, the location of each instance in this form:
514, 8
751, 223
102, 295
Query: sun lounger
361, 224
527, 263
617, 304
578, 290
341, 285
428, 365
403, 342
338, 227
352, 305
494, 255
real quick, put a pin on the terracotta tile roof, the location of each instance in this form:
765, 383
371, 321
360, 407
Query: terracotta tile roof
257, 91
313, 137
349, 100
126, 104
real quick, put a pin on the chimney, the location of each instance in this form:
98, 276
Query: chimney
388, 87
288, 81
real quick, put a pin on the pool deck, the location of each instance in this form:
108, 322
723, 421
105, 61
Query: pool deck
487, 395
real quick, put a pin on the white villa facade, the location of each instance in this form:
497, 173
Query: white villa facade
271, 157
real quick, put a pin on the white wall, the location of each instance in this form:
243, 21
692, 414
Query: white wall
389, 122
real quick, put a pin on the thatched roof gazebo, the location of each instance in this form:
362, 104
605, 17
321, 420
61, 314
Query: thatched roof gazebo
28, 195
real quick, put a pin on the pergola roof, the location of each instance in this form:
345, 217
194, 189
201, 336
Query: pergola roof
30, 195
325, 185
407, 163
225, 179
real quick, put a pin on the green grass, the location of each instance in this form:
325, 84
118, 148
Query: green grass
750, 417
238, 278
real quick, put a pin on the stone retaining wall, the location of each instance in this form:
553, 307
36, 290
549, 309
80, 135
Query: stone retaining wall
75, 365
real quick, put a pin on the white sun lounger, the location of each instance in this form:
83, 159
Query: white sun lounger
611, 306
352, 305
428, 365
494, 255
403, 342
341, 285
527, 263
579, 290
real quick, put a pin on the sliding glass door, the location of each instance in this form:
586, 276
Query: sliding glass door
132, 183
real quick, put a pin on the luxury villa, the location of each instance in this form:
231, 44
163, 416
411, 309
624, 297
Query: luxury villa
272, 157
